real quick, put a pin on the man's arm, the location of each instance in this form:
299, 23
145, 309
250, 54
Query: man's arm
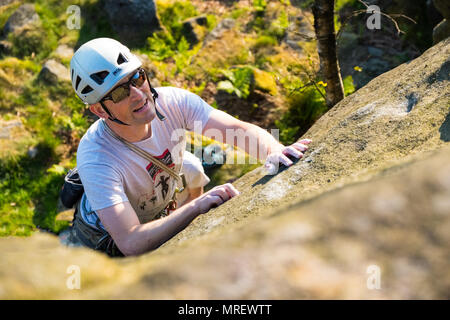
258, 143
193, 193
133, 238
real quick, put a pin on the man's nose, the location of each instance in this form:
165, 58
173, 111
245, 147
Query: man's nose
136, 94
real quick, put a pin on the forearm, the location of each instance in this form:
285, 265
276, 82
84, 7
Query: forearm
255, 141
151, 235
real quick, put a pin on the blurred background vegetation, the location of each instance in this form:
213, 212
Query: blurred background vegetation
256, 60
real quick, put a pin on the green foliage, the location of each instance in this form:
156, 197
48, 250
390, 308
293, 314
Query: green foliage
239, 81
264, 41
268, 26
32, 41
171, 42
199, 90
305, 107
349, 86
183, 56
174, 14
211, 22
259, 5
28, 194
161, 46
238, 12
279, 26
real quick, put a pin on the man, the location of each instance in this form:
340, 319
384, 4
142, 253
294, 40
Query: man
125, 192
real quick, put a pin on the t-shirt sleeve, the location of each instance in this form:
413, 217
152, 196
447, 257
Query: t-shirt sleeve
194, 108
102, 184
193, 171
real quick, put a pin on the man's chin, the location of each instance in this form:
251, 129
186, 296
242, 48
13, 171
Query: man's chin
145, 117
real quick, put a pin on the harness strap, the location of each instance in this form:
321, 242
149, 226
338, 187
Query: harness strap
144, 154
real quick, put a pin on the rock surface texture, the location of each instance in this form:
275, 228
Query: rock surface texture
373, 190
23, 16
52, 71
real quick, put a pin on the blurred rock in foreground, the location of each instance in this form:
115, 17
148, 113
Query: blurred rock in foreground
373, 191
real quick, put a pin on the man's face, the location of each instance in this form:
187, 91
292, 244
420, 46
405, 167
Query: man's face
138, 108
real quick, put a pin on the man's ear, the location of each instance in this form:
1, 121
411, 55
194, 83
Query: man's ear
97, 109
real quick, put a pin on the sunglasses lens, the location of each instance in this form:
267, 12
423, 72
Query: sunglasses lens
120, 93
139, 81
123, 91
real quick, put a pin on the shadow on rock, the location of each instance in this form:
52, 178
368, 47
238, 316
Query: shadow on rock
267, 177
445, 129
443, 74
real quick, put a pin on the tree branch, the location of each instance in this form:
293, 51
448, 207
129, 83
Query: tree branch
389, 16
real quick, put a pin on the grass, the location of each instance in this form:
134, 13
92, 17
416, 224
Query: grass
28, 192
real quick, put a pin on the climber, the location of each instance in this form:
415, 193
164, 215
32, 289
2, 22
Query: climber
129, 162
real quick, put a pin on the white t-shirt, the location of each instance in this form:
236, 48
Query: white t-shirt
111, 173
194, 175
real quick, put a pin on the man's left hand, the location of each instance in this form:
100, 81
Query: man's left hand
280, 155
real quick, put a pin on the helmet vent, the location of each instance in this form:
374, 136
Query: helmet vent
99, 77
72, 75
77, 83
121, 59
86, 89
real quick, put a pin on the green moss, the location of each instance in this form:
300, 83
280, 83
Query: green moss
238, 12
265, 81
264, 41
33, 41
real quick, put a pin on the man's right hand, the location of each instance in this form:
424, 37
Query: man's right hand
134, 238
215, 197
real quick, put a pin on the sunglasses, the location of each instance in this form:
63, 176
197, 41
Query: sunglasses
122, 91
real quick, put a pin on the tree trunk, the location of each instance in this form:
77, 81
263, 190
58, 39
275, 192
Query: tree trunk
323, 11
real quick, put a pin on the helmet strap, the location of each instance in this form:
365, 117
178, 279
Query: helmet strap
111, 117
160, 116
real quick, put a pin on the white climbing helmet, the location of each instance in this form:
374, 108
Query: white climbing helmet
98, 65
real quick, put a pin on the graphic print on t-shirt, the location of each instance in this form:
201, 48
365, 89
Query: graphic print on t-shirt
164, 185
145, 200
154, 171
165, 158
